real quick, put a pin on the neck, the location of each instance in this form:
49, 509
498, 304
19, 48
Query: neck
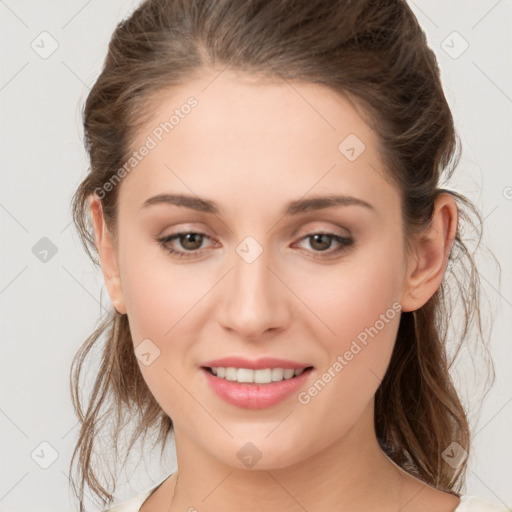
351, 474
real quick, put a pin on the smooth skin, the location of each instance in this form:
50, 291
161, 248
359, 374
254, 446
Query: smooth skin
252, 147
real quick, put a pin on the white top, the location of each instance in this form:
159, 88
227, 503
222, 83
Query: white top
467, 503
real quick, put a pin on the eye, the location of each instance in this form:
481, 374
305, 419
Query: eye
189, 240
322, 242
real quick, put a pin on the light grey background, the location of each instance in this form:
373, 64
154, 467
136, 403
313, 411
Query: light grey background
49, 308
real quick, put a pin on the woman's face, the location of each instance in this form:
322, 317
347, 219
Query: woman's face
254, 281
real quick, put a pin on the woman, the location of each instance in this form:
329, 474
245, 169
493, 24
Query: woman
266, 203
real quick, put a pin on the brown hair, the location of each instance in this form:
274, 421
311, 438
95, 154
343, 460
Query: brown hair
376, 55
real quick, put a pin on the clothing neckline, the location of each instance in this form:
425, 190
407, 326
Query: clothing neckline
138, 501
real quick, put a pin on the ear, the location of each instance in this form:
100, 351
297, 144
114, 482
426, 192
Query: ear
107, 255
429, 255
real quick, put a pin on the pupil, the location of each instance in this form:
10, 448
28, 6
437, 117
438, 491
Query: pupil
189, 238
321, 246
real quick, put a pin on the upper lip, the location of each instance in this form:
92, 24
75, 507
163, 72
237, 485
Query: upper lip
254, 364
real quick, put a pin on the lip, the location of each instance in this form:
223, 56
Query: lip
255, 396
255, 364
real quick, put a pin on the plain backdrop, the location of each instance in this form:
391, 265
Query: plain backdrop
52, 53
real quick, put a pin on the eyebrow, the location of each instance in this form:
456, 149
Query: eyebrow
292, 208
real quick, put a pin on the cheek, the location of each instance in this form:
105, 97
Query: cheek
157, 293
360, 306
164, 303
160, 303
351, 296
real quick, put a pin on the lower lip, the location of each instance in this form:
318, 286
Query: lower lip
255, 396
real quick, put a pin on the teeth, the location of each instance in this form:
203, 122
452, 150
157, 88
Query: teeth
264, 376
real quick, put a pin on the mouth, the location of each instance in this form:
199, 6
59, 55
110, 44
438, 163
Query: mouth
260, 388
263, 376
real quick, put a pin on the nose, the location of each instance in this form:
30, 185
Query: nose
254, 299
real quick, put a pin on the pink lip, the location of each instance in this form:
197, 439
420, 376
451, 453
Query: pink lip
257, 364
254, 396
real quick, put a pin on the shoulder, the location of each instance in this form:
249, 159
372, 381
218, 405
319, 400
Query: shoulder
131, 505
474, 504
134, 503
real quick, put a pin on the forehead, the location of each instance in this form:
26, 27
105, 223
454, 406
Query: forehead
247, 109
257, 137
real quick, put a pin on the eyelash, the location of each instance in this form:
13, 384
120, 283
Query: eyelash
345, 243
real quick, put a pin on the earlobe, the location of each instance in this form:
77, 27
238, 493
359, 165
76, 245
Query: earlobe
430, 252
107, 255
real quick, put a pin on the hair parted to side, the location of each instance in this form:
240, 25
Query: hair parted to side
376, 55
